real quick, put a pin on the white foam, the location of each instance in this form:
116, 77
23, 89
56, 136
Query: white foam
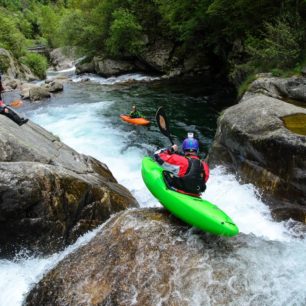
18, 276
81, 128
242, 202
114, 80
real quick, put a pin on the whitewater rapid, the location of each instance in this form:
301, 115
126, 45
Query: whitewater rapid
84, 127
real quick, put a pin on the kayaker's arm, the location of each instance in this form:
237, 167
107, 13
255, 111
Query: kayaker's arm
157, 157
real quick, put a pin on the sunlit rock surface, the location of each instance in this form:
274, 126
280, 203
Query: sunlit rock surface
147, 257
49, 193
253, 139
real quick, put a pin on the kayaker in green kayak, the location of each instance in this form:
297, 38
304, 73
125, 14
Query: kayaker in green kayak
135, 113
186, 173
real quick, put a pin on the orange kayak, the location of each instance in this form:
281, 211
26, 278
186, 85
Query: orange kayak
137, 121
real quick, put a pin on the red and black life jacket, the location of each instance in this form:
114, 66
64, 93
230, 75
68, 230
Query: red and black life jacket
193, 181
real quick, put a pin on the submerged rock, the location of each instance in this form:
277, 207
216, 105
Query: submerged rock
253, 139
148, 257
145, 257
49, 193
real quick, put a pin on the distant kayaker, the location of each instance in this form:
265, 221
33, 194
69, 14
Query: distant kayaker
6, 111
135, 113
186, 172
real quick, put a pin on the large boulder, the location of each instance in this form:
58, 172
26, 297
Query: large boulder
63, 58
108, 67
146, 257
38, 93
158, 55
49, 193
253, 139
12, 69
43, 91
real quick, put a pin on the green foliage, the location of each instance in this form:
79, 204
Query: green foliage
279, 48
269, 41
37, 63
187, 19
125, 34
10, 36
48, 20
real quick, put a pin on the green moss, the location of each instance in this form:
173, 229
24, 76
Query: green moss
4, 63
296, 123
245, 85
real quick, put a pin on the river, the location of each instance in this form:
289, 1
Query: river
86, 117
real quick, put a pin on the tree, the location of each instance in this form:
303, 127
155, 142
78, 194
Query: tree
125, 34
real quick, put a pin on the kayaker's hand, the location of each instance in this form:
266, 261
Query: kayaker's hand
174, 148
6, 110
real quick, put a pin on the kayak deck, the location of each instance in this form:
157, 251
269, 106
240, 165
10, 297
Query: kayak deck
193, 210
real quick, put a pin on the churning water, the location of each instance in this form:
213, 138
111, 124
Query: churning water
86, 117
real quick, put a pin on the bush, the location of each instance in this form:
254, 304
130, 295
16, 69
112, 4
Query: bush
37, 63
280, 47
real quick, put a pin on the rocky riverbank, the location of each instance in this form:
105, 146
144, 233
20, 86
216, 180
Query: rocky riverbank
263, 140
49, 193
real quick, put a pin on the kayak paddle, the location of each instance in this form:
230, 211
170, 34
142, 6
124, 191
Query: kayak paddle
163, 124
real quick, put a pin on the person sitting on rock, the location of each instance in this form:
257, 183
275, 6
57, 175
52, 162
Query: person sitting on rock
8, 112
185, 173
135, 113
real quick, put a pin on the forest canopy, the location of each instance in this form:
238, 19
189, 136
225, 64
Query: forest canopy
246, 36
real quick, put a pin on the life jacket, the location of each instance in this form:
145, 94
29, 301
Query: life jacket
193, 180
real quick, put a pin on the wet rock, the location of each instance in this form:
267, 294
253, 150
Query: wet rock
39, 93
108, 67
252, 139
55, 86
147, 257
63, 58
49, 193
87, 67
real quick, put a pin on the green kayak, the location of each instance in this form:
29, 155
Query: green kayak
194, 211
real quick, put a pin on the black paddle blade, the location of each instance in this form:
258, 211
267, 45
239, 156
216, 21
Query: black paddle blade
162, 122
